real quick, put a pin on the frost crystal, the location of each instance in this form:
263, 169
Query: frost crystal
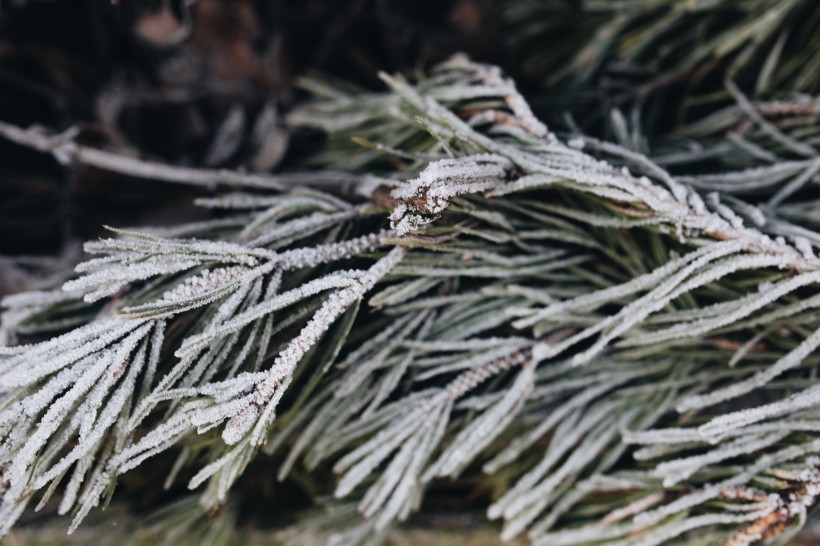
441, 181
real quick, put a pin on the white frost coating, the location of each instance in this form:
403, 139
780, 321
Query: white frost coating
230, 388
709, 492
293, 230
714, 200
204, 281
644, 282
214, 467
674, 529
90, 437
561, 415
36, 369
677, 470
424, 197
86, 413
105, 282
363, 368
523, 510
375, 343
696, 203
214, 414
663, 436
240, 423
142, 256
634, 507
757, 216
709, 275
750, 304
739, 388
74, 483
481, 431
491, 76
153, 358
572, 431
472, 344
167, 432
36, 402
57, 345
270, 389
141, 244
360, 462
57, 413
466, 361
415, 431
576, 143
312, 256
719, 426
803, 245
584, 173
258, 201
582, 535
635, 312
204, 290
37, 298
194, 343
391, 496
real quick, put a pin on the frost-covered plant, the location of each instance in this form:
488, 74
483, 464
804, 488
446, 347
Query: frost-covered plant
669, 57
620, 350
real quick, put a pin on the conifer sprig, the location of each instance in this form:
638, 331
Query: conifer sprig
628, 355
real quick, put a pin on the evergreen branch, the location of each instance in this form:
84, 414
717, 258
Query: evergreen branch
489, 338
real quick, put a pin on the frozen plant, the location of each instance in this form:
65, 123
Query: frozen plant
630, 352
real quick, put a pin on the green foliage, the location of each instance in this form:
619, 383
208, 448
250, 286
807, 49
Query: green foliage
668, 57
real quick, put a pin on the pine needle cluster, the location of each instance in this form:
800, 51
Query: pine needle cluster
620, 339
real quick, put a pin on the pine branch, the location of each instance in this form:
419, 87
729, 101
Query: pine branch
573, 318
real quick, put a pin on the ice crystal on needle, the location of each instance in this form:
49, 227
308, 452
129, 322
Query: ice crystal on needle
268, 391
421, 199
